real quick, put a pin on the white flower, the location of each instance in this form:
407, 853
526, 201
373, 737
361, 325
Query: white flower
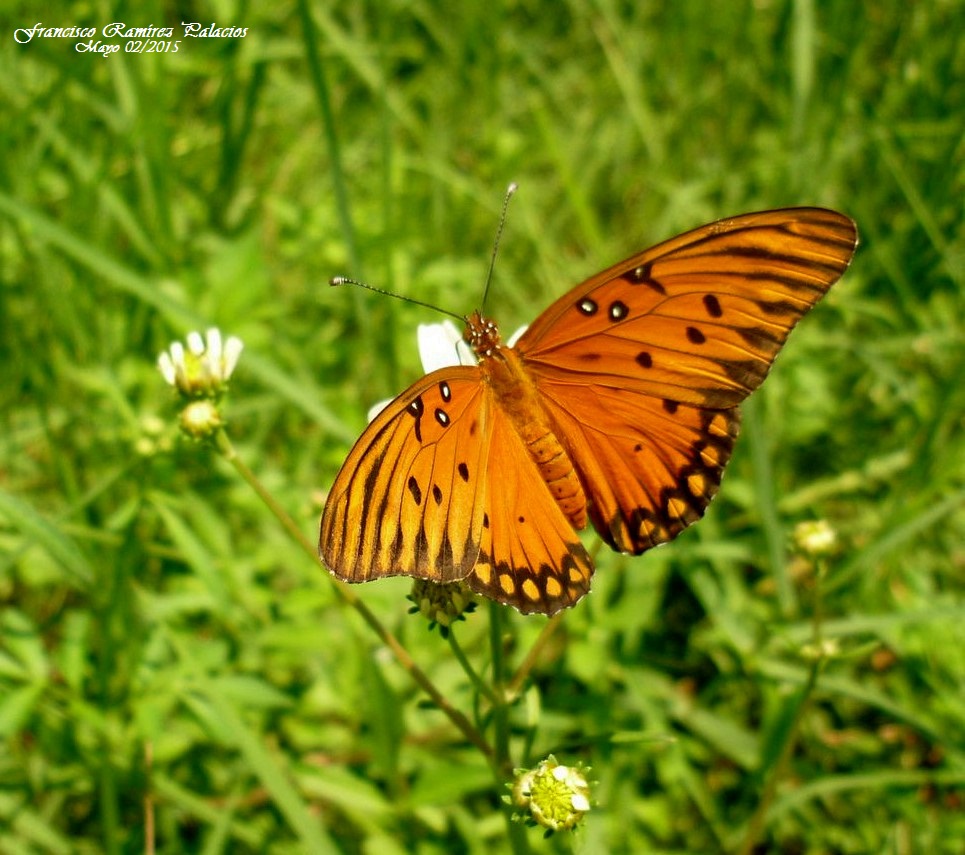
441, 345
203, 369
815, 538
516, 336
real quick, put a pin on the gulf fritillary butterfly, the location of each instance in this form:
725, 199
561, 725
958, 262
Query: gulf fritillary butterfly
618, 404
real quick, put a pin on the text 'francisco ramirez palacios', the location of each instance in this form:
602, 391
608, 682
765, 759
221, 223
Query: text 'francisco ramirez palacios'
149, 39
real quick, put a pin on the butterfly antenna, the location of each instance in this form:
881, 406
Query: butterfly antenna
345, 280
499, 233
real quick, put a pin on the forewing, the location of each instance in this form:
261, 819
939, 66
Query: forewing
699, 318
409, 499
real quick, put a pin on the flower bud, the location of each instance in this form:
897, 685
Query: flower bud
441, 603
555, 796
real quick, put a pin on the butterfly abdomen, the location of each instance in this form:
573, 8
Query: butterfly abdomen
518, 397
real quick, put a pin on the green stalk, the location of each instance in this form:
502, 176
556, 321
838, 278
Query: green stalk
755, 826
474, 678
502, 763
515, 685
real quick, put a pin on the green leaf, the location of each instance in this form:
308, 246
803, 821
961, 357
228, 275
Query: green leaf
37, 530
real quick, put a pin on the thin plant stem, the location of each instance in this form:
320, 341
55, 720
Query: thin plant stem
149, 833
474, 678
515, 686
502, 762
347, 596
755, 826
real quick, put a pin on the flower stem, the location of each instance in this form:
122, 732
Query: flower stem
516, 684
347, 596
755, 825
474, 678
502, 763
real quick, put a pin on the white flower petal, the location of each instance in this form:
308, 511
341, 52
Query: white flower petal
438, 345
375, 409
232, 353
516, 336
214, 348
465, 354
195, 343
177, 355
166, 367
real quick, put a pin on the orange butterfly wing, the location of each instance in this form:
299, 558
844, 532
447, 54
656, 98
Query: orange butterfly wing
441, 487
697, 319
530, 556
649, 467
641, 366
409, 498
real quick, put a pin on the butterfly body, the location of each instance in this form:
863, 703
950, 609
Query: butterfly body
516, 395
617, 405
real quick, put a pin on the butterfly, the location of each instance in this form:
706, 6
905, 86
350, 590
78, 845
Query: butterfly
617, 406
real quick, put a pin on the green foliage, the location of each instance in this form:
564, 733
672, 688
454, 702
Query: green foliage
167, 649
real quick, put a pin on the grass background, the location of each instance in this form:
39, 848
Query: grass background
163, 641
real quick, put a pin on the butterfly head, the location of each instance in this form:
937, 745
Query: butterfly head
482, 335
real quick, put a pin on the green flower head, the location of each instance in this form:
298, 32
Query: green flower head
555, 796
441, 603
